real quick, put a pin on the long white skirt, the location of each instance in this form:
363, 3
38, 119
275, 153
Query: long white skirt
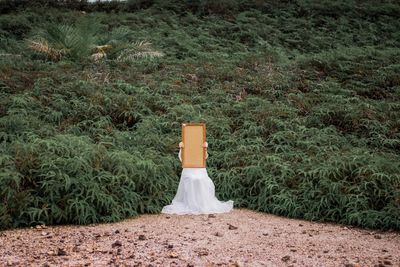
196, 195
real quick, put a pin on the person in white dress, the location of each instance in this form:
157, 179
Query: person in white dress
196, 193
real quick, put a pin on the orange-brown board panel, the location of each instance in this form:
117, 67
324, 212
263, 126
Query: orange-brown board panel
193, 152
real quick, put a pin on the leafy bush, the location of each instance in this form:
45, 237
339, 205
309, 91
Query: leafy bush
300, 101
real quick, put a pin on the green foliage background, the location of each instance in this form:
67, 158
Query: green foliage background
300, 98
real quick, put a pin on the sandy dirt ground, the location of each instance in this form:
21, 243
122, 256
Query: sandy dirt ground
239, 238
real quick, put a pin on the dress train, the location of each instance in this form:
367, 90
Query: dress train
196, 195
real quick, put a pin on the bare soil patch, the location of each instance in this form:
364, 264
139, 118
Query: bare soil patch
239, 238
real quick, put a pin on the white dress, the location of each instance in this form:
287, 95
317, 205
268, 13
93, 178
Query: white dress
196, 195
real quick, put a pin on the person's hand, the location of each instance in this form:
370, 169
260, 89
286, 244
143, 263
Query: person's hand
181, 145
205, 144
180, 155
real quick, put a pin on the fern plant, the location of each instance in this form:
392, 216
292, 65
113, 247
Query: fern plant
83, 42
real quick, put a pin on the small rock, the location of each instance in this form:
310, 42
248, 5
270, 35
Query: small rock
387, 262
326, 251
378, 236
170, 246
142, 237
61, 252
293, 250
117, 231
265, 234
40, 226
300, 225
384, 250
285, 258
351, 265
218, 234
116, 244
232, 227
173, 255
304, 232
202, 252
167, 217
236, 264
211, 216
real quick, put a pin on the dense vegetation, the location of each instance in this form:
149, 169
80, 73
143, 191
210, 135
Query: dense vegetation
300, 98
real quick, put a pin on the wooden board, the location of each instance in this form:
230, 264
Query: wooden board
193, 152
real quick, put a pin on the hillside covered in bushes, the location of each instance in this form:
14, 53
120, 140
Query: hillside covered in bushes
301, 101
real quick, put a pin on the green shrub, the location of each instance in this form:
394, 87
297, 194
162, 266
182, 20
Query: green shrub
300, 101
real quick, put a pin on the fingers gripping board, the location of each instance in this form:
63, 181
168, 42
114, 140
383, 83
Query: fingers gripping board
193, 152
